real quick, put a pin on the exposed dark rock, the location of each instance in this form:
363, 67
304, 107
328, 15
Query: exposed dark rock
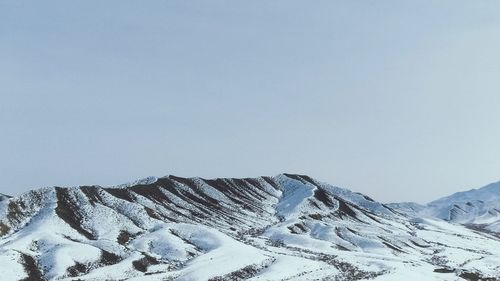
476, 276
444, 270
324, 197
315, 216
77, 269
108, 258
92, 194
68, 211
345, 210
32, 270
123, 237
298, 228
121, 193
4, 229
143, 263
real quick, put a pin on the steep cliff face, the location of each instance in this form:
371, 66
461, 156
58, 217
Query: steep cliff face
287, 227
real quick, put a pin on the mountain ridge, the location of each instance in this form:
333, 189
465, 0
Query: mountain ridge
177, 228
477, 208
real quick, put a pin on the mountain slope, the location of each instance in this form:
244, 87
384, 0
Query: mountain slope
287, 227
4, 197
478, 208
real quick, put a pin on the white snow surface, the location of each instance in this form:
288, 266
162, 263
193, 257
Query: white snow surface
478, 208
287, 227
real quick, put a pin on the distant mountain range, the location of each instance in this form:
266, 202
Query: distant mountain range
476, 208
286, 227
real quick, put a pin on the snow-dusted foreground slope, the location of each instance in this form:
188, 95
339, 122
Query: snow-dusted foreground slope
287, 227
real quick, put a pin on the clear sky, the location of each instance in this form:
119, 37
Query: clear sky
397, 99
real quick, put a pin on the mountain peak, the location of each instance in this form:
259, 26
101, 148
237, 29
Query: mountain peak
186, 228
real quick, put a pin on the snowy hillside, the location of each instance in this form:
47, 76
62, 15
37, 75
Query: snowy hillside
287, 227
3, 197
478, 208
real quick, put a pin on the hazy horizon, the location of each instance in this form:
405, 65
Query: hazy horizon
395, 99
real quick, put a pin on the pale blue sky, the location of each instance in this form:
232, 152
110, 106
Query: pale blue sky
399, 100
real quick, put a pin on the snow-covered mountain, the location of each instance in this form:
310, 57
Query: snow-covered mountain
476, 208
287, 227
3, 197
